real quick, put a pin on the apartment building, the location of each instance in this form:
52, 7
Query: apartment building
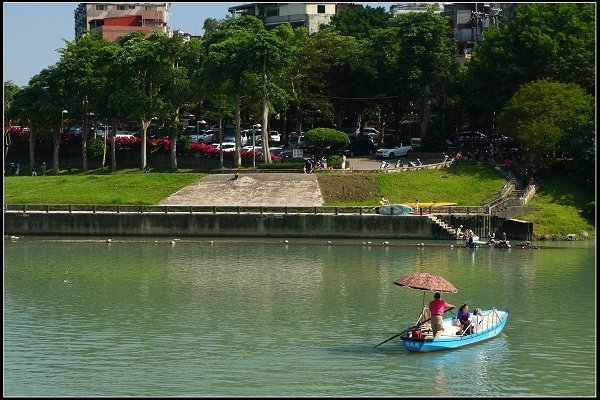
112, 20
308, 15
403, 8
470, 21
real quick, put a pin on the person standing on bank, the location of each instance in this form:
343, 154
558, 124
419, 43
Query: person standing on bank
437, 306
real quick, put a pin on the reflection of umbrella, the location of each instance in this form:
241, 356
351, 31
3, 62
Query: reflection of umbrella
424, 281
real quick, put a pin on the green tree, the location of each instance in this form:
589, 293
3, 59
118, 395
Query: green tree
358, 21
270, 50
544, 117
554, 41
228, 63
10, 91
425, 64
323, 137
85, 76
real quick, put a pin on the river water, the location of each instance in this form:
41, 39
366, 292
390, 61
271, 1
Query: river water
234, 317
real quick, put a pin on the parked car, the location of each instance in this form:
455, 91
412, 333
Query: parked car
102, 128
356, 147
368, 133
225, 146
275, 136
468, 137
295, 141
286, 154
209, 136
391, 152
500, 140
245, 136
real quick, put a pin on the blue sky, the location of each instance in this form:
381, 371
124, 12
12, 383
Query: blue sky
33, 32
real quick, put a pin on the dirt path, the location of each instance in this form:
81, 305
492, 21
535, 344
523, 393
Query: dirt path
250, 189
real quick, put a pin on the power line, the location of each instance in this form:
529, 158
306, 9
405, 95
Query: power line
354, 98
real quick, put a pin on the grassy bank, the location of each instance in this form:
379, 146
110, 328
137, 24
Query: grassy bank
557, 207
465, 185
126, 186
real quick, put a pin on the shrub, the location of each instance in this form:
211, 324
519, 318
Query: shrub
95, 147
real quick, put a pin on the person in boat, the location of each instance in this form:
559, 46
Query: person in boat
459, 233
492, 237
464, 319
470, 242
437, 306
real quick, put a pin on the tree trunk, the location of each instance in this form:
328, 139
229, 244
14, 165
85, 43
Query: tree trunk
173, 146
425, 118
6, 143
32, 147
113, 151
84, 132
221, 127
56, 148
103, 148
238, 139
265, 118
143, 126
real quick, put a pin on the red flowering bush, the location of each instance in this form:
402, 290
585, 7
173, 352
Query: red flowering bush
162, 145
127, 143
203, 150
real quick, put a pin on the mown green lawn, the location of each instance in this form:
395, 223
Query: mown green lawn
126, 186
557, 207
465, 185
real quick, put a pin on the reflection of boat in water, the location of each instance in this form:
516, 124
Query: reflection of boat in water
497, 244
487, 324
500, 244
393, 209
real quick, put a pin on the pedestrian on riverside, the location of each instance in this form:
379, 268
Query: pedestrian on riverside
44, 167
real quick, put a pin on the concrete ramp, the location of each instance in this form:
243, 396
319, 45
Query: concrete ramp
250, 189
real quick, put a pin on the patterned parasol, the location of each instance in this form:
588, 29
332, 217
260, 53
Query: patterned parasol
426, 281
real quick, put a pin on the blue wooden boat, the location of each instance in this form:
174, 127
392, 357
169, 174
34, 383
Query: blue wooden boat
393, 209
486, 325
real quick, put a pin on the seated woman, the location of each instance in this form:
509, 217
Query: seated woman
464, 318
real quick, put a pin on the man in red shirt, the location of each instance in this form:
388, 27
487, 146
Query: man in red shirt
437, 307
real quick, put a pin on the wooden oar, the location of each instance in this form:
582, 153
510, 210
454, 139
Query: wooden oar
408, 329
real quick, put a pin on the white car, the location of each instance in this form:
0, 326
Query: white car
225, 146
275, 136
257, 149
391, 152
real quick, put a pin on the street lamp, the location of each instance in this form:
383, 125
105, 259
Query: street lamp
62, 117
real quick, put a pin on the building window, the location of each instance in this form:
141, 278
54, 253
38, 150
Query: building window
321, 9
101, 7
151, 7
131, 6
273, 12
121, 7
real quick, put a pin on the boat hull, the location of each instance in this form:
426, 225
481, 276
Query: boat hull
393, 209
490, 325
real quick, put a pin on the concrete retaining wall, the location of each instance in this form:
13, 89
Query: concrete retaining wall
252, 225
249, 225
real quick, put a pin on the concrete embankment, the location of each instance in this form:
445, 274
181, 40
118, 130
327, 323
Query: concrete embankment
250, 189
215, 225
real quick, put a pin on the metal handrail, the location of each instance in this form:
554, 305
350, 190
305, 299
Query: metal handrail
190, 209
